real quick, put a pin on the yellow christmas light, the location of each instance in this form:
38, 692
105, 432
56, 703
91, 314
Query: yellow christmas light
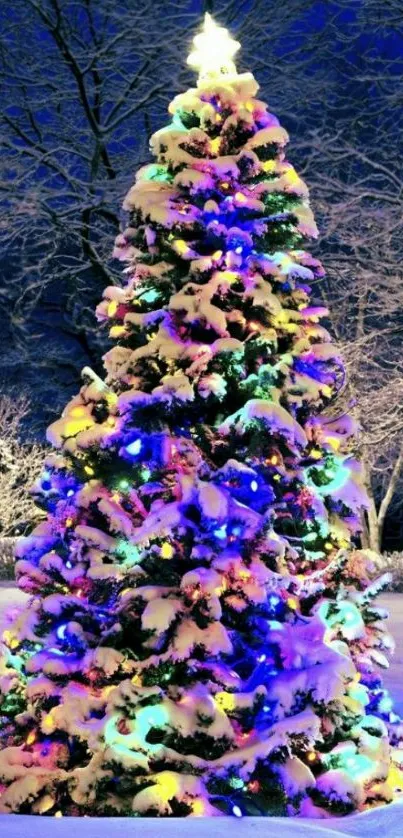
333, 441
225, 700
215, 145
74, 426
89, 470
292, 177
198, 808
269, 165
117, 331
229, 276
167, 550
221, 588
69, 522
395, 778
48, 724
112, 308
169, 784
7, 636
292, 603
181, 247
31, 738
79, 410
213, 50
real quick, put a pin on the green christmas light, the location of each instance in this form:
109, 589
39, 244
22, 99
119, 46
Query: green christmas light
155, 172
128, 551
339, 476
149, 296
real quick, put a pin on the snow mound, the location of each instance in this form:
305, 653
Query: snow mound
387, 820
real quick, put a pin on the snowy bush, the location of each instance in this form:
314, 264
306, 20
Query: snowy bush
393, 563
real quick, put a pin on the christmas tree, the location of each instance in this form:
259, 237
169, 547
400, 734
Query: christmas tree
201, 637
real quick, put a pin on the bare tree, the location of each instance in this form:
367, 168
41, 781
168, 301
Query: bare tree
84, 86
360, 198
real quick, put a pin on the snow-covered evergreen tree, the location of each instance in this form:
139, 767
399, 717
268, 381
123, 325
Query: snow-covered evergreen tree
201, 637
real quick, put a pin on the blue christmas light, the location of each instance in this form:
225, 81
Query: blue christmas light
46, 483
385, 705
254, 485
61, 632
70, 493
221, 532
274, 625
273, 600
237, 811
134, 447
69, 565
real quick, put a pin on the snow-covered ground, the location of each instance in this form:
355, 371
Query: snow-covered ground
387, 821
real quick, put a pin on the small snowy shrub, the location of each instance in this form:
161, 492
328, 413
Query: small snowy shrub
393, 563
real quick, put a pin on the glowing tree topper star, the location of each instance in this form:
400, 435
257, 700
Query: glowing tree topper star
214, 50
